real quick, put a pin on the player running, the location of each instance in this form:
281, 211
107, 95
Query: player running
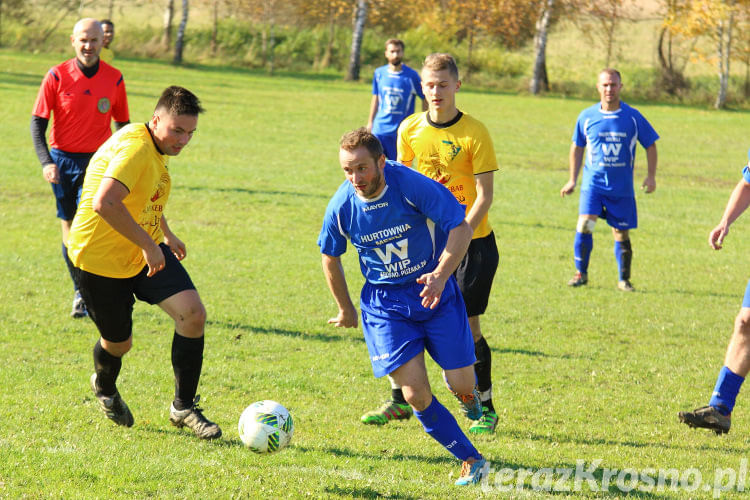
410, 235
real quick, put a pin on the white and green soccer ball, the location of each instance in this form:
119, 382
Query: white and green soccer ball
266, 427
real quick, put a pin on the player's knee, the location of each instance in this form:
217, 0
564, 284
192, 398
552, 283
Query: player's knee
192, 320
621, 234
585, 226
418, 397
118, 349
742, 322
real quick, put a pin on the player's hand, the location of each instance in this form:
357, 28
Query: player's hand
51, 173
345, 319
154, 259
716, 237
649, 184
433, 289
568, 188
176, 245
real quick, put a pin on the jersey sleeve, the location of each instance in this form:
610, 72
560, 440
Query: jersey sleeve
418, 84
647, 136
375, 84
47, 96
579, 134
483, 157
332, 240
120, 111
404, 153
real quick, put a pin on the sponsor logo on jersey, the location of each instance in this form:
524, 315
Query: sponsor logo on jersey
375, 206
391, 232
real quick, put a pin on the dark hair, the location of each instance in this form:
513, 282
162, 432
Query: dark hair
179, 101
107, 21
438, 61
395, 41
361, 137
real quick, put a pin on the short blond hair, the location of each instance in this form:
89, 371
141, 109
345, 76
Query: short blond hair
439, 61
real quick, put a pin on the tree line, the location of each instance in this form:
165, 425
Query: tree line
709, 31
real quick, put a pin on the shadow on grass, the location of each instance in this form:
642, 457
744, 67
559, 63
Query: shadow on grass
354, 492
27, 79
232, 326
253, 192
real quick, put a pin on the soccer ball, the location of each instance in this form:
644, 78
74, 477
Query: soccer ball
265, 426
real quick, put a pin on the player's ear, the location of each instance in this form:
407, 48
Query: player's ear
381, 161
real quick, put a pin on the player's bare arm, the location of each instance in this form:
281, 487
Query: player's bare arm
455, 249
108, 204
649, 183
575, 161
174, 243
374, 104
485, 191
336, 280
738, 202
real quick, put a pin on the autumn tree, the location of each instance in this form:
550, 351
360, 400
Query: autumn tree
180, 42
360, 17
539, 79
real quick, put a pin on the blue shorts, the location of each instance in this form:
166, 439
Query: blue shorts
72, 168
397, 327
389, 145
619, 211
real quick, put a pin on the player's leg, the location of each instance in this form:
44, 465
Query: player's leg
173, 291
475, 275
110, 302
589, 206
622, 216
437, 421
72, 168
717, 414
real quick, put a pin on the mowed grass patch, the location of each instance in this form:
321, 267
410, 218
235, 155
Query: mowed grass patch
581, 374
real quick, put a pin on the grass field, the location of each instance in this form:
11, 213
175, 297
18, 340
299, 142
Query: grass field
590, 375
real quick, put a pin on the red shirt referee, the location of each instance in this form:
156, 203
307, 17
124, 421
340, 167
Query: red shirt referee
84, 94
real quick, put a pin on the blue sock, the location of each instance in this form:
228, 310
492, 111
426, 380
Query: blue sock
624, 256
584, 242
440, 424
725, 392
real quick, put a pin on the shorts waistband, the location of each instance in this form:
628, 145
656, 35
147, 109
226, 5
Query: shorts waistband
72, 155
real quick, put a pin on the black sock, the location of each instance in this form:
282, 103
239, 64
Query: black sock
70, 266
397, 395
187, 360
107, 369
483, 369
626, 259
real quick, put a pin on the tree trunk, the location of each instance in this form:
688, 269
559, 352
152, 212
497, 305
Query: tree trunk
166, 38
110, 9
180, 41
539, 80
271, 43
360, 16
326, 61
724, 49
467, 74
215, 30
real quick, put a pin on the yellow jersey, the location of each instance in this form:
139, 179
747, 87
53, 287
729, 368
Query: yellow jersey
451, 153
131, 157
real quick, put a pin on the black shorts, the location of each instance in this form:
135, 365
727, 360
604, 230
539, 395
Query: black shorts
109, 301
476, 272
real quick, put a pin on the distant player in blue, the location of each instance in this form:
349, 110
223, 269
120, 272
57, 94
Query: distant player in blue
394, 88
410, 234
608, 131
718, 413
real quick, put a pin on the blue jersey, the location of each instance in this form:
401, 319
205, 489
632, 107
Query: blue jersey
400, 234
610, 139
395, 91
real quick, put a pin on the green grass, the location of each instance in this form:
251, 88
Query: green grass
579, 374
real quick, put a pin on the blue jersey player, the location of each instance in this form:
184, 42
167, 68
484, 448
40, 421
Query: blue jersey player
717, 414
410, 234
394, 89
608, 132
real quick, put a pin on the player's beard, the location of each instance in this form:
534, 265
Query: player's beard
395, 62
373, 187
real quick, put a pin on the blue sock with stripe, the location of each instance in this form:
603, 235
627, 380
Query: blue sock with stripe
442, 426
725, 392
582, 247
